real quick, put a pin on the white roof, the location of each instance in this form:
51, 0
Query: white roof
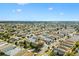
14, 51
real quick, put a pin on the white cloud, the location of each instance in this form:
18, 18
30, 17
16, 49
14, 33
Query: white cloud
61, 13
22, 4
50, 8
16, 10
13, 10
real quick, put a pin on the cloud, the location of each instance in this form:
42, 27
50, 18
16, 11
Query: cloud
17, 10
22, 4
61, 13
13, 10
50, 8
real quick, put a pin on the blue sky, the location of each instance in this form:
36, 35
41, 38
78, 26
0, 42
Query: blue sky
39, 12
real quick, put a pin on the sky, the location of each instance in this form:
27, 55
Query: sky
39, 11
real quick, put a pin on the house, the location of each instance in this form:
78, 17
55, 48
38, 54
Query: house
13, 51
24, 53
9, 47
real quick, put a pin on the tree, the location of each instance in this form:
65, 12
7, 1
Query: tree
16, 43
35, 46
77, 44
69, 54
52, 53
26, 44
